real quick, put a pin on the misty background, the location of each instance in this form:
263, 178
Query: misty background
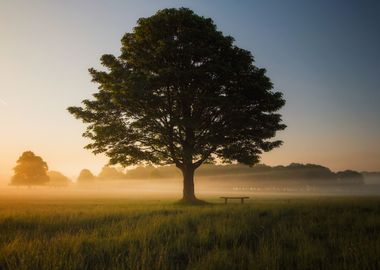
156, 183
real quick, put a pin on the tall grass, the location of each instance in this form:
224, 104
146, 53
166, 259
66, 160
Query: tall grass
318, 233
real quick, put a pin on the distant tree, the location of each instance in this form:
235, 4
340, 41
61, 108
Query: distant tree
155, 174
141, 172
230, 169
57, 179
85, 176
146, 172
305, 172
181, 93
30, 170
169, 171
111, 173
350, 177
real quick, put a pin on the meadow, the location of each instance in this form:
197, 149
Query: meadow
266, 233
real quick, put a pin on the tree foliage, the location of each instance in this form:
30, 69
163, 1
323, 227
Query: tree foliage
30, 170
181, 93
350, 177
111, 173
85, 176
58, 179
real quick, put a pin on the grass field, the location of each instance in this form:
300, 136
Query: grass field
267, 233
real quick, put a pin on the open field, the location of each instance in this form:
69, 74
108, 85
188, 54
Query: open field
266, 233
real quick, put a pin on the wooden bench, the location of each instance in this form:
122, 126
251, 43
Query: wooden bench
234, 198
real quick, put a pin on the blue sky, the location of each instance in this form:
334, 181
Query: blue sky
323, 55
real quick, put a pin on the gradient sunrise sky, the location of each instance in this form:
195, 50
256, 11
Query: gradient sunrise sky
323, 55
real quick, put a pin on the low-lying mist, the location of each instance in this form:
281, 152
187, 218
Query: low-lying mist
171, 188
155, 183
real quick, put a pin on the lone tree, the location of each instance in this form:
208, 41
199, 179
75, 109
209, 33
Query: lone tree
181, 93
85, 176
30, 170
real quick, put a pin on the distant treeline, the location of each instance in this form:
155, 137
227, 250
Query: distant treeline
32, 170
293, 173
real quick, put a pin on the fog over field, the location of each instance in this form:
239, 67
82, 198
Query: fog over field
211, 181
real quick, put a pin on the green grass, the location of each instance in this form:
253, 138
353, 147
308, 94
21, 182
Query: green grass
313, 233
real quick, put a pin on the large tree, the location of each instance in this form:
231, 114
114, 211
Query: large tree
181, 93
30, 170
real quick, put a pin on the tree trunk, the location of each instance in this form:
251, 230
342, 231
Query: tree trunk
188, 185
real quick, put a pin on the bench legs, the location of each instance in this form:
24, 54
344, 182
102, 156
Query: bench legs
241, 200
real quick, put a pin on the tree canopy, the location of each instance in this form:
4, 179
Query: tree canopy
58, 179
85, 176
30, 170
350, 177
111, 173
181, 93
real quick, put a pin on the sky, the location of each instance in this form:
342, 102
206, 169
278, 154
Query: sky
323, 55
